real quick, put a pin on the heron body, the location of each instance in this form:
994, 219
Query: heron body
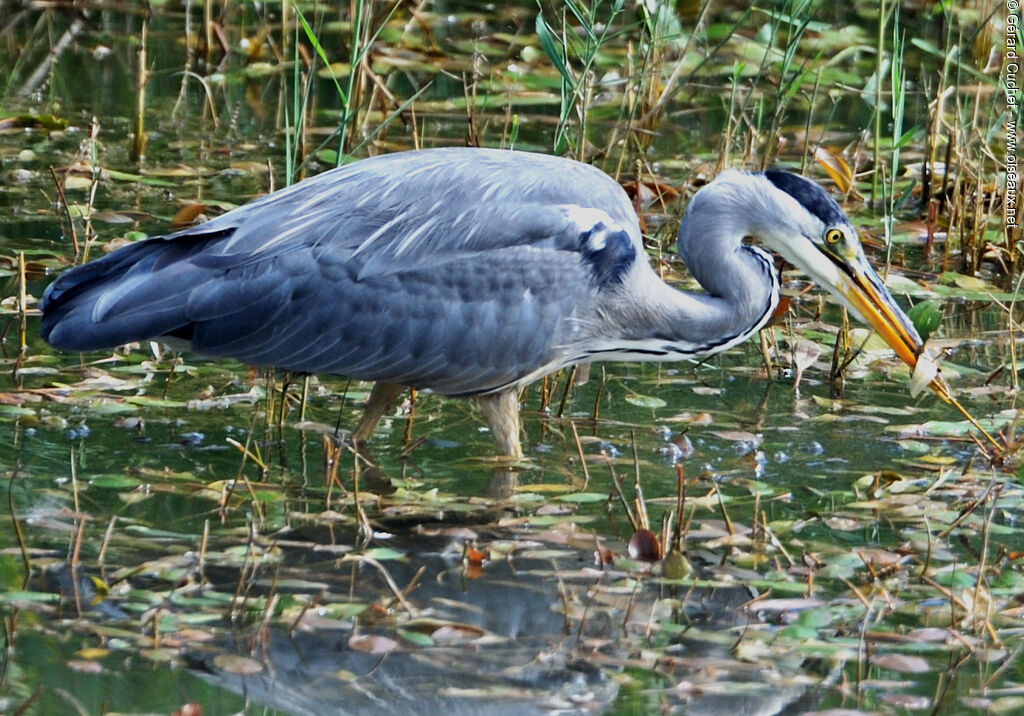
467, 272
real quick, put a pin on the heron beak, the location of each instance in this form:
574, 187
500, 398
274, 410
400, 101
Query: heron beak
863, 291
867, 295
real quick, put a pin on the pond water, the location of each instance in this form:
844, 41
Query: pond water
173, 537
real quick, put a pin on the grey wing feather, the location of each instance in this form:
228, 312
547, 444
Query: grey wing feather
459, 270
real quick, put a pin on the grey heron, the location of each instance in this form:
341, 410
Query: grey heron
467, 272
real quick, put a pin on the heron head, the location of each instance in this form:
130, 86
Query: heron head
817, 237
798, 219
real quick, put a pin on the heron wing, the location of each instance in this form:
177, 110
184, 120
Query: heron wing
403, 209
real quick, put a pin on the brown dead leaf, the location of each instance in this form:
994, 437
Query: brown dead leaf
780, 311
697, 419
837, 169
187, 215
372, 643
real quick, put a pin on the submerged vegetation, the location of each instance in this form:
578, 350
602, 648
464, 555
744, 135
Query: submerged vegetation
784, 526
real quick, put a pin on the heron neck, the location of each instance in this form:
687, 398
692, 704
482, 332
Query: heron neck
737, 303
654, 321
740, 280
741, 286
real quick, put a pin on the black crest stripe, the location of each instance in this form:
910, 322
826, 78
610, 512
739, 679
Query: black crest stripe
811, 196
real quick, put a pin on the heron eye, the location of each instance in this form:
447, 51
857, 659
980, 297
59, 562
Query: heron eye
833, 236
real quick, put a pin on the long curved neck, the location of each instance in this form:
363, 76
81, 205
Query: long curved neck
653, 320
742, 294
741, 281
741, 284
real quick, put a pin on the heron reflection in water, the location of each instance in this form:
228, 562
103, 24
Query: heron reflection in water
467, 272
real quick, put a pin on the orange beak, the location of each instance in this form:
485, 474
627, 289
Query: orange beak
868, 296
865, 293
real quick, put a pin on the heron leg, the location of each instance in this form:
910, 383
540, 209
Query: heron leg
501, 412
582, 376
382, 397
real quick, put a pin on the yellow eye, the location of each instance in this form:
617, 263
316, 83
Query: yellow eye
833, 236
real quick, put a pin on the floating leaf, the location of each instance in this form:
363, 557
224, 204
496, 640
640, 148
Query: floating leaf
416, 638
904, 663
112, 407
238, 665
843, 524
15, 411
94, 652
149, 402
958, 578
114, 482
19, 122
149, 180
1006, 705
456, 634
15, 595
110, 216
784, 605
259, 70
645, 401
972, 283
584, 497
906, 702
372, 643
737, 436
